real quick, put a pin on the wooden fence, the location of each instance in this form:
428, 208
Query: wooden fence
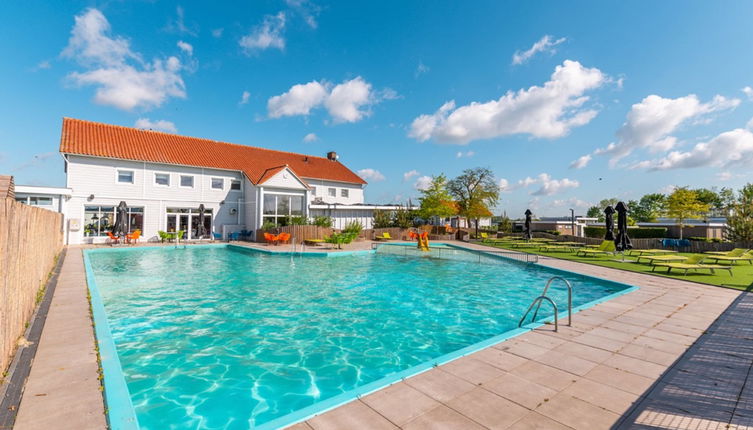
297, 232
30, 240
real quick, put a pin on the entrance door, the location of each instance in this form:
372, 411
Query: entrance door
182, 221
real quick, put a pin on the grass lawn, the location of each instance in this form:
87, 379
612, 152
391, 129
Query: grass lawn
741, 279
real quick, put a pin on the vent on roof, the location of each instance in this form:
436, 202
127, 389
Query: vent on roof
332, 156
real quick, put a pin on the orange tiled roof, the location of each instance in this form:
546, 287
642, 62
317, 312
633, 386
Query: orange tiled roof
113, 141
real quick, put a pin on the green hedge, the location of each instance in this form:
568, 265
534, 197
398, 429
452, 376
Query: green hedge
633, 232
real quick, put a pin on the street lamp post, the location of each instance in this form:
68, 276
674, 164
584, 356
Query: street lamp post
572, 222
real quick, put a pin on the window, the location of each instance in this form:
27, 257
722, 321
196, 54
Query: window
235, 185
98, 220
162, 179
218, 183
125, 176
344, 192
278, 208
186, 181
40, 201
332, 192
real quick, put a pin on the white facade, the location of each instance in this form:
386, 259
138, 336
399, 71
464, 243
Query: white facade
166, 197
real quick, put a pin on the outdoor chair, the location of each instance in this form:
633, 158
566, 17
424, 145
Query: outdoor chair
746, 256
270, 238
217, 236
606, 248
283, 237
693, 262
737, 252
133, 237
113, 239
384, 236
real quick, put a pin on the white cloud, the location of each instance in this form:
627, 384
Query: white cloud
650, 123
724, 176
345, 102
504, 186
307, 10
667, 189
217, 32
159, 125
465, 154
548, 186
122, 78
581, 162
749, 124
42, 65
572, 202
421, 69
179, 25
371, 175
185, 47
311, 137
748, 91
409, 174
299, 100
267, 35
422, 183
545, 44
245, 97
549, 111
727, 150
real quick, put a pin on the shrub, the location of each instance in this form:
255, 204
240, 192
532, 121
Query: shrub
382, 219
323, 221
268, 225
403, 218
298, 220
340, 238
353, 227
705, 239
633, 232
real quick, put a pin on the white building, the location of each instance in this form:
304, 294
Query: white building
163, 178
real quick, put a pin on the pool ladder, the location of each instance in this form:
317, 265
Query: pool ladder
543, 297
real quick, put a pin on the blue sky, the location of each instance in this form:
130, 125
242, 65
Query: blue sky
567, 103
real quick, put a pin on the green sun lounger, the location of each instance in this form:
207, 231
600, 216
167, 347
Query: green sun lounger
655, 259
737, 252
693, 263
747, 256
606, 248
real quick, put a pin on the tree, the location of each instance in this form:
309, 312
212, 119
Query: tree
403, 218
474, 191
649, 208
594, 212
505, 224
435, 199
382, 219
598, 211
683, 204
740, 219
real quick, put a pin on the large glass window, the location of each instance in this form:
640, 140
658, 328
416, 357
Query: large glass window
40, 201
278, 208
98, 220
162, 179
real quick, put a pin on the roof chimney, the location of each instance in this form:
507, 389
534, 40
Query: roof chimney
332, 156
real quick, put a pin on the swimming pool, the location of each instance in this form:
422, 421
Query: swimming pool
231, 338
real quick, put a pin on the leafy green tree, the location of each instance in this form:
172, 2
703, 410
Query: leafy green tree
598, 211
683, 204
403, 218
740, 218
648, 208
505, 224
435, 200
382, 218
475, 192
594, 212
708, 196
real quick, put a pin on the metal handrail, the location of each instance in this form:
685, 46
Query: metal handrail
538, 300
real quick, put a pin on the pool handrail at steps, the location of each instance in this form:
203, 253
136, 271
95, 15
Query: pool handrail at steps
544, 297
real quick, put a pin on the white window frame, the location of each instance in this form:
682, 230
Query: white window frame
180, 181
240, 185
117, 176
344, 192
169, 179
222, 183
332, 192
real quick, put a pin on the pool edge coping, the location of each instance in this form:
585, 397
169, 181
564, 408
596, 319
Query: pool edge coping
118, 398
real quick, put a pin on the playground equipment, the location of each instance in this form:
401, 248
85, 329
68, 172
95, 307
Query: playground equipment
423, 239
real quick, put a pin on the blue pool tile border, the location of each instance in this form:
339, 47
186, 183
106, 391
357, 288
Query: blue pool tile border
122, 415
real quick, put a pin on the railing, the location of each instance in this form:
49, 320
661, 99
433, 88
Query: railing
543, 297
455, 253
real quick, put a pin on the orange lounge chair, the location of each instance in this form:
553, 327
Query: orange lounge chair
283, 237
113, 238
133, 237
270, 238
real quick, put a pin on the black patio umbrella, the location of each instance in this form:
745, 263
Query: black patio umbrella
622, 242
527, 231
202, 231
121, 220
609, 220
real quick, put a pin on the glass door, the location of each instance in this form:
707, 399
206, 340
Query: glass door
183, 226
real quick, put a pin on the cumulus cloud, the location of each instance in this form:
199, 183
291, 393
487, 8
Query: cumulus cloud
504, 186
547, 185
311, 137
371, 175
724, 176
748, 91
572, 202
465, 154
727, 150
650, 123
266, 35
159, 125
306, 9
123, 79
422, 183
545, 44
548, 111
421, 69
185, 47
245, 97
409, 174
346, 102
581, 162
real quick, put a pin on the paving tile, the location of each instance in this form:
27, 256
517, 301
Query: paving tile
300, 426
440, 418
536, 421
472, 370
500, 359
608, 333
488, 409
634, 365
599, 342
350, 416
521, 391
400, 403
577, 413
621, 379
649, 354
544, 375
542, 340
440, 385
568, 363
660, 345
523, 349
604, 396
584, 351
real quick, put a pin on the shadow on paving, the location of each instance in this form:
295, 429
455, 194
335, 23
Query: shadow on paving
710, 386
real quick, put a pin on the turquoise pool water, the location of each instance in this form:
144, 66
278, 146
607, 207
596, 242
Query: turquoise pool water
225, 338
